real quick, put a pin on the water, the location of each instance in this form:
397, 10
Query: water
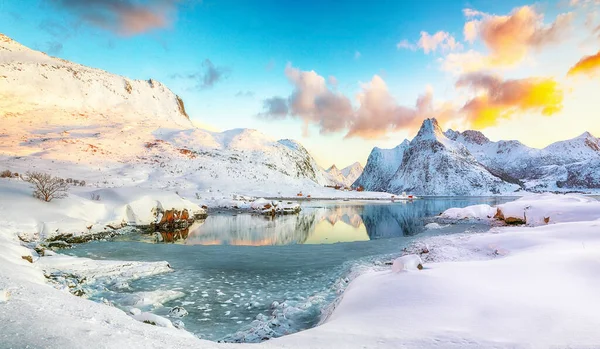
231, 268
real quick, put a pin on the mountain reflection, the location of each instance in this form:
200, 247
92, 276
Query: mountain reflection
319, 223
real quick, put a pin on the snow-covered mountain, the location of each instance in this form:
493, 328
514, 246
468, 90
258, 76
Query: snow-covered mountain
468, 163
347, 176
562, 166
81, 122
435, 165
382, 164
352, 173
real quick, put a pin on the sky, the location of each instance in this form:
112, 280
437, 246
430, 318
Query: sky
343, 77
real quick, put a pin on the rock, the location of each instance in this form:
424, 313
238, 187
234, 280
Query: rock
135, 311
546, 220
178, 324
28, 258
408, 262
499, 215
515, 220
178, 312
58, 244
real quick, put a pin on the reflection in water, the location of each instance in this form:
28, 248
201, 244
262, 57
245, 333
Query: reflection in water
320, 222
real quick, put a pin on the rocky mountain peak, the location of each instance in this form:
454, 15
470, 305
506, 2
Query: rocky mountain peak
430, 129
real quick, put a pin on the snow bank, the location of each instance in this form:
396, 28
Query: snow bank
546, 278
407, 263
78, 214
552, 208
470, 212
533, 210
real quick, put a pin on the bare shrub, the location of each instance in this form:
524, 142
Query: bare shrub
82, 183
5, 174
47, 187
95, 197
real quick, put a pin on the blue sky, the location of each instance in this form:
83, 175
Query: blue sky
252, 42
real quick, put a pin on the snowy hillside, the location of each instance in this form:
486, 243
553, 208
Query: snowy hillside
345, 177
110, 131
565, 165
436, 165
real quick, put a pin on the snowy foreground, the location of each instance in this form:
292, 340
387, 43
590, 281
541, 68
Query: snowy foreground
533, 285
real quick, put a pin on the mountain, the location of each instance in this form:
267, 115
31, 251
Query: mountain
382, 164
336, 175
352, 173
561, 166
469, 163
345, 177
436, 165
85, 123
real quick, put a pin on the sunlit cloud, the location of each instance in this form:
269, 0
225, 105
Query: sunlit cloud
497, 99
509, 39
378, 113
588, 65
124, 17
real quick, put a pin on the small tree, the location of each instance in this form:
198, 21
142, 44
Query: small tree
47, 187
5, 174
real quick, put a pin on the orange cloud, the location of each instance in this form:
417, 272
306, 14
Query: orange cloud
125, 17
509, 39
586, 65
500, 99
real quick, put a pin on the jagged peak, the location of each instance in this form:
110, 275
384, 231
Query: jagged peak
430, 129
332, 168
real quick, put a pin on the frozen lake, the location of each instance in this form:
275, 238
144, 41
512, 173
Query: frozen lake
247, 278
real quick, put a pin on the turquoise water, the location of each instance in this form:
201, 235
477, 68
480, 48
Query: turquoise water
247, 278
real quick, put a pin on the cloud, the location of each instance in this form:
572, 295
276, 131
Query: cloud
512, 37
406, 45
431, 43
207, 77
587, 65
275, 108
124, 17
500, 99
244, 94
378, 113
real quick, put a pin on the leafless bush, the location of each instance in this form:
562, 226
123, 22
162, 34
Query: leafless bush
47, 187
5, 174
82, 183
95, 197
